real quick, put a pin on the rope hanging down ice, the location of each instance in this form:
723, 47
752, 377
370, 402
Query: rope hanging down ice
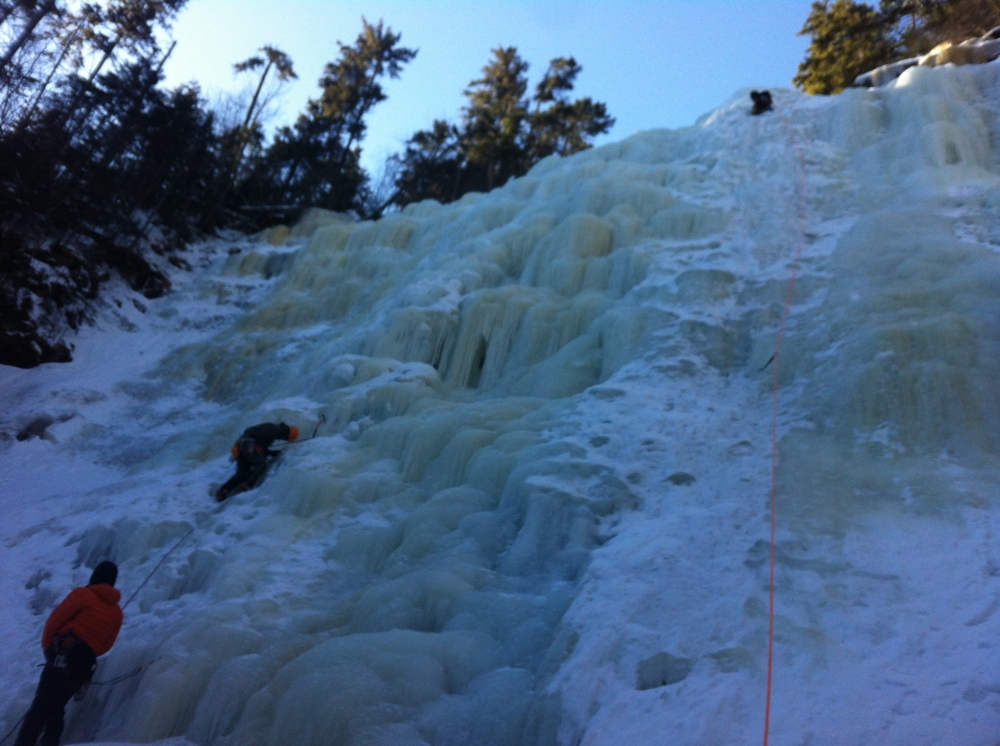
776, 357
158, 564
16, 726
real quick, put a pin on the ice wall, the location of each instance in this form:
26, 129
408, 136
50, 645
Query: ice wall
534, 513
900, 359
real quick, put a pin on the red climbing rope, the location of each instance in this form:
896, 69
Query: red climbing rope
774, 422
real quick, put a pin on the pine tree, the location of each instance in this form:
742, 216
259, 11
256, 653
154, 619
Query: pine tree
907, 22
317, 161
276, 59
431, 166
235, 141
502, 133
31, 30
563, 127
848, 39
68, 38
90, 164
957, 20
37, 12
494, 118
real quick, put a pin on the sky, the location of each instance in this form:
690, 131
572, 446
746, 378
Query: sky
655, 64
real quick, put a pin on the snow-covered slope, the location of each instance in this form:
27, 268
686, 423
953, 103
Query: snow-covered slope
537, 512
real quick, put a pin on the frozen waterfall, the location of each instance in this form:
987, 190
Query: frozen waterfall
537, 512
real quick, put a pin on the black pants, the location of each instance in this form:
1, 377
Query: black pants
246, 477
55, 689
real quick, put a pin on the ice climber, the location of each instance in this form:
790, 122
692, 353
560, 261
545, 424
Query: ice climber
253, 457
82, 627
761, 102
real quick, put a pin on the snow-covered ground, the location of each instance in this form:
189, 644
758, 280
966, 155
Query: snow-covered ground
538, 510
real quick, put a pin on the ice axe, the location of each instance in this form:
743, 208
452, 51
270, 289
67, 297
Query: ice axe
322, 419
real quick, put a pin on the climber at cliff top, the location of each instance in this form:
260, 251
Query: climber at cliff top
761, 102
253, 457
81, 628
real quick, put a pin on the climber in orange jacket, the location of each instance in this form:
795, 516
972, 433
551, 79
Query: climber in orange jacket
82, 627
252, 453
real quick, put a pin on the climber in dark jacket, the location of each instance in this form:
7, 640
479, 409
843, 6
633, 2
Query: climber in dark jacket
761, 102
253, 457
82, 627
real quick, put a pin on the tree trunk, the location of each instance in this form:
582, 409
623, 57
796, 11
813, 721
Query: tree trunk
244, 130
244, 135
253, 101
43, 10
19, 78
107, 55
136, 107
76, 97
163, 60
5, 13
291, 173
355, 122
26, 119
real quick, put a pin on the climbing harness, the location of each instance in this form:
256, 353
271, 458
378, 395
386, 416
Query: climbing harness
63, 645
776, 357
250, 451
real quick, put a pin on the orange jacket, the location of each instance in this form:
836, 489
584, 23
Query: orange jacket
91, 613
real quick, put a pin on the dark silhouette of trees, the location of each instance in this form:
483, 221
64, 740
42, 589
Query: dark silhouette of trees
105, 173
502, 133
494, 119
35, 13
277, 59
957, 20
316, 162
235, 141
95, 168
432, 167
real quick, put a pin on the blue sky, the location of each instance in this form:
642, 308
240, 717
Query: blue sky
655, 64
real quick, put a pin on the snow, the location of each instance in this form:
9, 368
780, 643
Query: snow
969, 52
537, 510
